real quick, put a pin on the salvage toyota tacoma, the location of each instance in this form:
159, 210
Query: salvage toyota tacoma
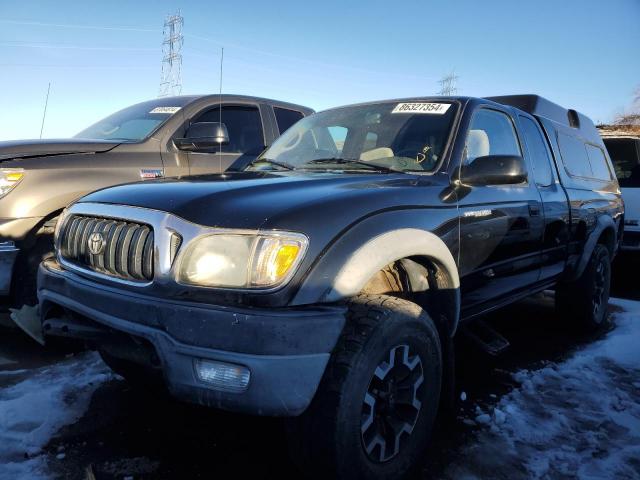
327, 281
171, 136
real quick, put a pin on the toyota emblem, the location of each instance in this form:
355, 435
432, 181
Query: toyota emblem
96, 243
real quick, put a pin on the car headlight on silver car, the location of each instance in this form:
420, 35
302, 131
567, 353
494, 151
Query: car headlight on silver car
228, 260
9, 178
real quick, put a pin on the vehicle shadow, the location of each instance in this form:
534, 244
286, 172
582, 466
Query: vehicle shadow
129, 432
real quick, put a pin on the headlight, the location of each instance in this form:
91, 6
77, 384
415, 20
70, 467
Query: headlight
242, 261
9, 178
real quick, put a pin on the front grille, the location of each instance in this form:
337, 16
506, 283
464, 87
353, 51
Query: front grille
122, 249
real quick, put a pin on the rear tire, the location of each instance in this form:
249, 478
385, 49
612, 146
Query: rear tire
375, 407
584, 301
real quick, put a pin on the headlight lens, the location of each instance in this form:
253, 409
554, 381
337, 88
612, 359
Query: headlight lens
242, 261
9, 178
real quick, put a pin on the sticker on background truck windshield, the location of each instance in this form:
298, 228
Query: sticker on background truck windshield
430, 108
165, 110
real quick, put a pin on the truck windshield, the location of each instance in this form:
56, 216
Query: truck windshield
625, 156
134, 123
381, 137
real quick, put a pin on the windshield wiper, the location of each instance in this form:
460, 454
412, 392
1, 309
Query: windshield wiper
284, 165
353, 161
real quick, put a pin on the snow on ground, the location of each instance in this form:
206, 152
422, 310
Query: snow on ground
35, 404
576, 419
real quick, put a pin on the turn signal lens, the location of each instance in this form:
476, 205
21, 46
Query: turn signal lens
275, 258
9, 178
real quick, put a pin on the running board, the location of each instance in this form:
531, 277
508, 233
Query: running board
485, 337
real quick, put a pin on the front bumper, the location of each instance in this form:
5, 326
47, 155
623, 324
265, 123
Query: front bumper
8, 254
286, 350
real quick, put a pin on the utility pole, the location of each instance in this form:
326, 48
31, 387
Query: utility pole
448, 85
44, 114
171, 79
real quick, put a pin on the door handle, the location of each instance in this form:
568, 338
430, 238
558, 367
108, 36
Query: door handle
534, 210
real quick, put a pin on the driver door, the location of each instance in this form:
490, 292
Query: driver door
501, 227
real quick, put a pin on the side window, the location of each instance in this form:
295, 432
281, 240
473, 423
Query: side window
286, 118
244, 125
338, 135
538, 151
598, 161
370, 141
574, 155
491, 133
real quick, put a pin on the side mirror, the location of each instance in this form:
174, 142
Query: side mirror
203, 135
494, 170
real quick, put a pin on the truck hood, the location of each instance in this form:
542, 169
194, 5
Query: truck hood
41, 148
269, 199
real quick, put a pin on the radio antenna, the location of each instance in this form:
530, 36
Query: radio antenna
220, 139
44, 114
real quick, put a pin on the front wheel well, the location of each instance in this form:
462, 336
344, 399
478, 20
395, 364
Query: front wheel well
608, 239
424, 282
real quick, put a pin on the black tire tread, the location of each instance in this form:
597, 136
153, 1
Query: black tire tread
573, 299
365, 312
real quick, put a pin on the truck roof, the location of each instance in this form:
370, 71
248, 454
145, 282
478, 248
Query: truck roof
541, 107
228, 97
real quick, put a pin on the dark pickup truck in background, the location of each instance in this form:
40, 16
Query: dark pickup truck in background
165, 137
327, 281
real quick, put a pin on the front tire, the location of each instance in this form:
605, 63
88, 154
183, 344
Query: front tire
376, 404
584, 302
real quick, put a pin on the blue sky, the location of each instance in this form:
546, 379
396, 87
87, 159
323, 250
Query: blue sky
102, 56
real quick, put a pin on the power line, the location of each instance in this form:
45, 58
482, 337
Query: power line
448, 85
83, 27
171, 79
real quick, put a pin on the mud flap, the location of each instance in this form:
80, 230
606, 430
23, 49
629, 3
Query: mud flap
27, 319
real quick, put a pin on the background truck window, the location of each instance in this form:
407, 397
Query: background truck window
626, 160
286, 118
244, 125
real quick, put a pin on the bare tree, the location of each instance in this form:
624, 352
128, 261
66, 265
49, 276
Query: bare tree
632, 116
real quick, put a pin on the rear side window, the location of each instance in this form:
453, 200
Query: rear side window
244, 125
286, 118
538, 151
574, 155
598, 161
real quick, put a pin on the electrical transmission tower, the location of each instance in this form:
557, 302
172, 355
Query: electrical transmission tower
171, 80
448, 85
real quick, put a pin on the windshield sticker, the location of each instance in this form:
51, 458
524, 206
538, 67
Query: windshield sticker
165, 110
429, 108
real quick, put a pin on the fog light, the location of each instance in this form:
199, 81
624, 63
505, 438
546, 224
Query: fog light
225, 376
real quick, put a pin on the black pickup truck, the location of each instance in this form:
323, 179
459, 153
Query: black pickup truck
327, 281
165, 137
